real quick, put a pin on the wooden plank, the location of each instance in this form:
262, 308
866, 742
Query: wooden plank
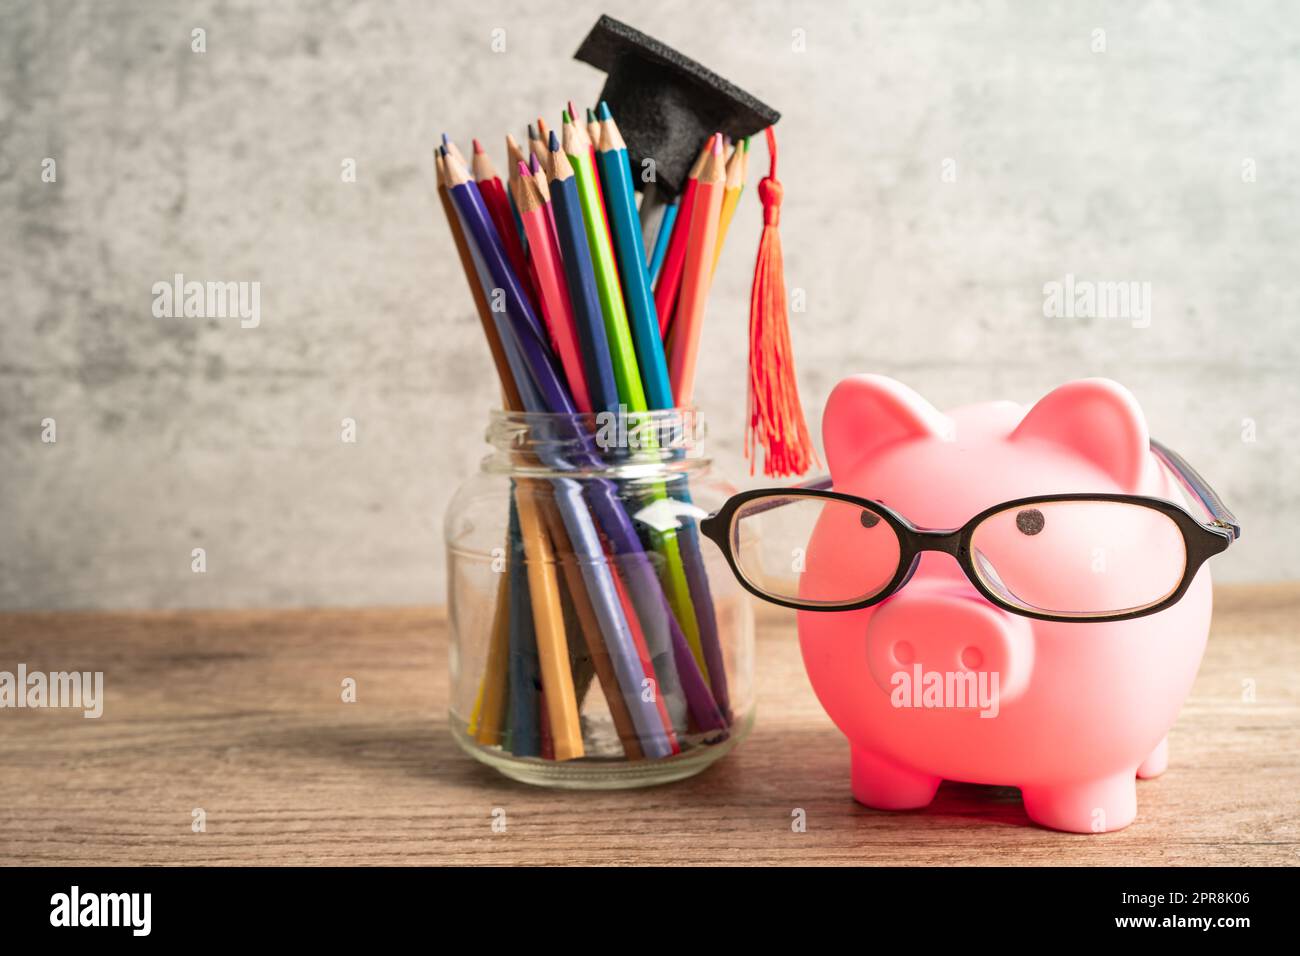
240, 714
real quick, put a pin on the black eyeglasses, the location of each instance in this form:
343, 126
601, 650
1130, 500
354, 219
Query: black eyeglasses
1067, 557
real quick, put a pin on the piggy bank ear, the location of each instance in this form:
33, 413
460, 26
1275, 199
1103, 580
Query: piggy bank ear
1097, 418
867, 412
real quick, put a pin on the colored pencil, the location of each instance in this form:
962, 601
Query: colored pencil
735, 182
552, 642
514, 154
661, 244
630, 390
703, 237
588, 319
536, 145
662, 700
525, 733
509, 391
547, 393
452, 148
654, 204
620, 196
590, 630
615, 173
557, 310
538, 171
541, 639
494, 195
493, 689
584, 134
670, 278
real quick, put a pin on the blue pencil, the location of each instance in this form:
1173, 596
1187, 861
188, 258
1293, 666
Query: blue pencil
620, 203
525, 729
661, 240
581, 277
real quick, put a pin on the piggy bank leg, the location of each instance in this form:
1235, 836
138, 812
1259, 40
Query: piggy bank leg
1157, 763
1098, 806
884, 785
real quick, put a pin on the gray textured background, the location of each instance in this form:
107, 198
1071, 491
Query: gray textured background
1122, 165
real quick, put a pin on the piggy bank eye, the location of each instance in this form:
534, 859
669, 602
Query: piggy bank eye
868, 519
1030, 521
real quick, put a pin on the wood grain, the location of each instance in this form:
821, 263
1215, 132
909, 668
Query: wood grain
240, 714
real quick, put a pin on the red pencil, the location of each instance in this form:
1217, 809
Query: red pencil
494, 197
643, 652
557, 310
706, 211
670, 274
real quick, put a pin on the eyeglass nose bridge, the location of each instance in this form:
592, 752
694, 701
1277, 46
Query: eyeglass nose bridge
947, 540
921, 540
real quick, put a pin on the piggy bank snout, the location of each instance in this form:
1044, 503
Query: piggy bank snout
942, 630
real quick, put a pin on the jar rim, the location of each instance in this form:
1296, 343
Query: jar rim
598, 441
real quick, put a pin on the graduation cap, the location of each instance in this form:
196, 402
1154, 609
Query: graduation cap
667, 104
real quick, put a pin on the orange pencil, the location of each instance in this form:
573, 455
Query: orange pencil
703, 238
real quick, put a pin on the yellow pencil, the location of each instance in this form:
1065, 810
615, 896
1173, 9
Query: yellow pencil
737, 166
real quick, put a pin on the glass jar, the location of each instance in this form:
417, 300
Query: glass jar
597, 639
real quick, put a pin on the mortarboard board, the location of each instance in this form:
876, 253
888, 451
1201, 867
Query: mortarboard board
667, 104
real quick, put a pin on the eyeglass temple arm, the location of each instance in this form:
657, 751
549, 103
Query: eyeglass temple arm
1199, 487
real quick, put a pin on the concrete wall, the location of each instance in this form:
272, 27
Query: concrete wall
1170, 158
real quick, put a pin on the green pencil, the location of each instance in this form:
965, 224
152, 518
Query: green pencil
578, 147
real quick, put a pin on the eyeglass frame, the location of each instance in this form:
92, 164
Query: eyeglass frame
1202, 540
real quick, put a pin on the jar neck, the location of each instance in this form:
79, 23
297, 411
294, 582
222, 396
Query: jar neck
610, 444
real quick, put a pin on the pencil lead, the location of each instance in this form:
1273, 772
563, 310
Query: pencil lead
564, 117
478, 147
445, 139
591, 115
533, 164
573, 112
532, 131
603, 112
554, 144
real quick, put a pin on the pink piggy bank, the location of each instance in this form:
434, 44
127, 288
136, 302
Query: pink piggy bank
1028, 654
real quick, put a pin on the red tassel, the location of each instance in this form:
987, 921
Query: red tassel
776, 419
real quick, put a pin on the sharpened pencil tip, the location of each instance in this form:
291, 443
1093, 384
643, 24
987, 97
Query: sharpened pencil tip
533, 163
573, 112
445, 139
603, 112
717, 144
523, 169
554, 144
564, 117
591, 115
478, 147
532, 131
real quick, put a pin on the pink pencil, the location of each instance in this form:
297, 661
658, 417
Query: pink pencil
557, 310
684, 344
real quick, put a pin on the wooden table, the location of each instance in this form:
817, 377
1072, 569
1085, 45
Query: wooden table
240, 715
